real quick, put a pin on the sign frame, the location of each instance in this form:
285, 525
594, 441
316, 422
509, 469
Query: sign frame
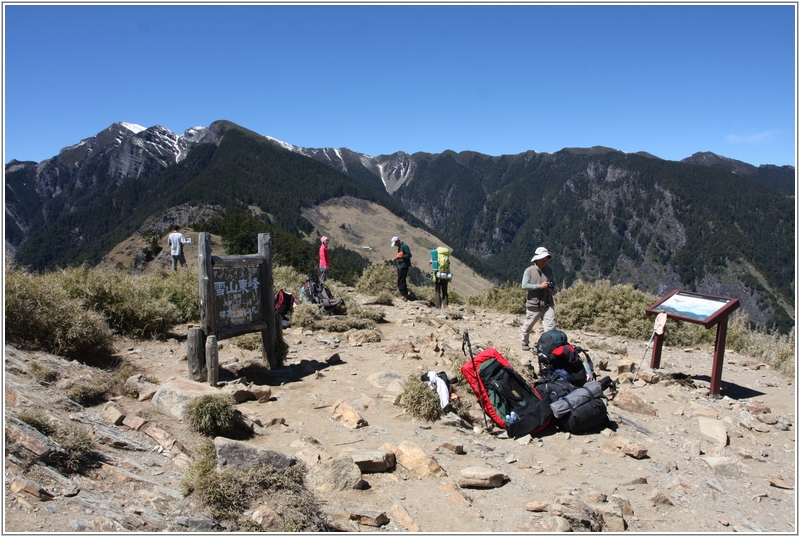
698, 308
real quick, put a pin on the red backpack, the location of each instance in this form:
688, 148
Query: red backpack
506, 397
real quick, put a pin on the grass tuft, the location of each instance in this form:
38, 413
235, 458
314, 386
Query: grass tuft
215, 415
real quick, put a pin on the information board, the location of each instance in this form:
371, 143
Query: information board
237, 296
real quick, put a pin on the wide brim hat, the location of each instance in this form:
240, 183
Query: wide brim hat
323, 239
540, 253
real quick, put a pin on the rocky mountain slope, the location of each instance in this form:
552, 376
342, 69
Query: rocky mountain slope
672, 460
707, 224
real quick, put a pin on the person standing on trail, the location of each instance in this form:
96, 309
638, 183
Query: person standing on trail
440, 265
403, 260
538, 281
176, 241
324, 260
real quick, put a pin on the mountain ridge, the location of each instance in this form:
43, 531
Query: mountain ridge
703, 224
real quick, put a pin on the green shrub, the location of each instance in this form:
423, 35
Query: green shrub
136, 306
288, 279
215, 415
376, 279
508, 298
306, 314
41, 315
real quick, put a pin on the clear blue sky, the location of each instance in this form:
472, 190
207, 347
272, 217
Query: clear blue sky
669, 80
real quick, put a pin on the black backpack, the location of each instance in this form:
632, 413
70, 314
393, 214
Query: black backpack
317, 293
284, 302
556, 353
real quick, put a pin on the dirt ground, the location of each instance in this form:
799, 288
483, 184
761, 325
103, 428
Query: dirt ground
672, 489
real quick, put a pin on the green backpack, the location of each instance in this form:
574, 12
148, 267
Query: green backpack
441, 263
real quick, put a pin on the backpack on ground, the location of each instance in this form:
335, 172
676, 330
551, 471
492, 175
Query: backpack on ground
284, 303
317, 293
505, 396
557, 356
583, 409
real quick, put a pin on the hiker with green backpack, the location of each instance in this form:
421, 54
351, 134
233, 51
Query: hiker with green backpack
440, 266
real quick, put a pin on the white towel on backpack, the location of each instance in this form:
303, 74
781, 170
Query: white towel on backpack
435, 382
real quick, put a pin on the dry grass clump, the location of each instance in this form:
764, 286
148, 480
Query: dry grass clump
75, 442
347, 323
144, 306
42, 373
777, 350
229, 493
40, 314
78, 445
215, 415
38, 420
288, 279
508, 298
419, 400
378, 279
305, 315
90, 391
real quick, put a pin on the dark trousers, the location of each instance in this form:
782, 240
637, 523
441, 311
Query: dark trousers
402, 274
441, 293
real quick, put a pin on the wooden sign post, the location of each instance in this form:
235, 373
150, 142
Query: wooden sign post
236, 298
697, 308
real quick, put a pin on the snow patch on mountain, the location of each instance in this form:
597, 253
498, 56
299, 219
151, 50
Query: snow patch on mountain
133, 127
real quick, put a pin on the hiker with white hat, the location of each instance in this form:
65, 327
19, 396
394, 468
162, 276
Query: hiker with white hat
324, 260
403, 260
538, 281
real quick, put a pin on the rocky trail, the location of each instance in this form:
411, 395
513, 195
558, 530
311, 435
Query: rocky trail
673, 460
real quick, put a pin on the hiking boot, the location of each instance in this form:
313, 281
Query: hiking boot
525, 347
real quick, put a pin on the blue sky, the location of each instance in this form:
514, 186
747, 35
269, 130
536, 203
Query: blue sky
670, 80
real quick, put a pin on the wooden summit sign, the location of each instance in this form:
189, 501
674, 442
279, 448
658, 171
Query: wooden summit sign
235, 298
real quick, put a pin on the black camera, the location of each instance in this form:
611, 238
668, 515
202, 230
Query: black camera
550, 285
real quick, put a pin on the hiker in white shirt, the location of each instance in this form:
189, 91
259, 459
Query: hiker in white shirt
176, 241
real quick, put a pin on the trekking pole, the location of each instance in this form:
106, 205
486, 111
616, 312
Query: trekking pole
658, 328
465, 342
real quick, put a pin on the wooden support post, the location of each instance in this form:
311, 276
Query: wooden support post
213, 360
268, 336
195, 353
719, 357
206, 282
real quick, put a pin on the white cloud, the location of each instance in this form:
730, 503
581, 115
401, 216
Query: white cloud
752, 139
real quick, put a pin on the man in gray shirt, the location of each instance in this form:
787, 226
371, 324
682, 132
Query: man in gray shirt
538, 281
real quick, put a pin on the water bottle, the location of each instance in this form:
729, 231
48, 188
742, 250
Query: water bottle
514, 417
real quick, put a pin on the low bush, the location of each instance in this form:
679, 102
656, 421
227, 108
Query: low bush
38, 420
215, 415
230, 493
77, 445
507, 298
377, 279
91, 391
40, 314
43, 374
419, 400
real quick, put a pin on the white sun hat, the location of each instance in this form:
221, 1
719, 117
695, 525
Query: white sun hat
394, 240
541, 253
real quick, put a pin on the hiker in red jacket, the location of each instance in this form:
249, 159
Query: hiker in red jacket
324, 260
